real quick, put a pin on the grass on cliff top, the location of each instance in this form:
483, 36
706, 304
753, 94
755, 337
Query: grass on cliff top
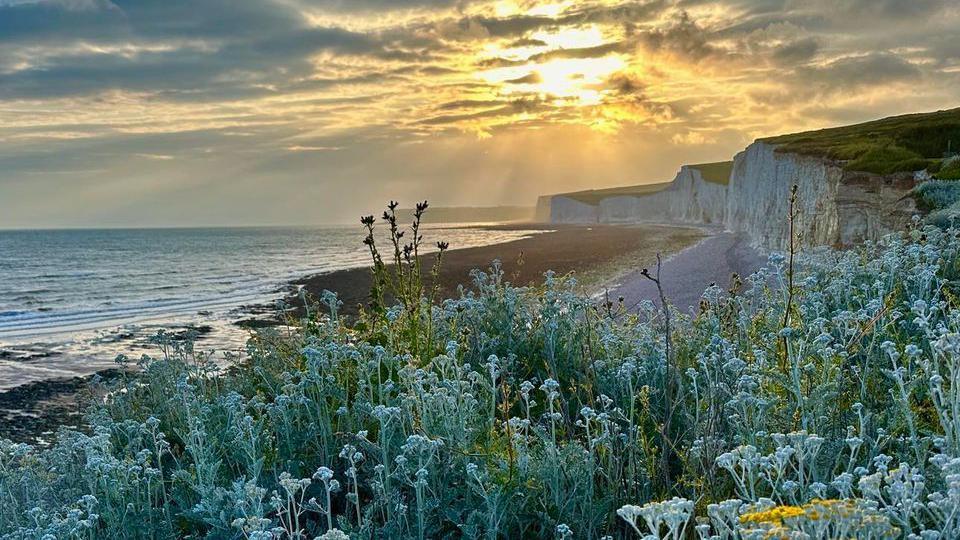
716, 173
594, 196
949, 171
897, 144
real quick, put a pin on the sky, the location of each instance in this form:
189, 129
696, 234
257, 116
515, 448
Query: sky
254, 112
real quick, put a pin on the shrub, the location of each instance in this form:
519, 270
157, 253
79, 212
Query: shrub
887, 160
534, 413
936, 195
949, 171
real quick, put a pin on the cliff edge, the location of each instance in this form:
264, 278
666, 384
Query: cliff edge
855, 183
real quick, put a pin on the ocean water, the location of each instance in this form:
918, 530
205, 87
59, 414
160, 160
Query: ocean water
71, 300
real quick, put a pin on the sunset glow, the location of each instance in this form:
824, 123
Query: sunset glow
317, 85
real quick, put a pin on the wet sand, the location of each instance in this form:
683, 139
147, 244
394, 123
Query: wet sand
33, 412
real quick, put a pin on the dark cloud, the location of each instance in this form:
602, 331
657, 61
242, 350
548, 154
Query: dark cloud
888, 9
684, 37
575, 53
625, 85
516, 27
450, 119
528, 42
530, 78
231, 69
856, 71
531, 104
469, 104
797, 51
585, 52
381, 5
104, 21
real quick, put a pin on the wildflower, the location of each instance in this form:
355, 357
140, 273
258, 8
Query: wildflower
323, 474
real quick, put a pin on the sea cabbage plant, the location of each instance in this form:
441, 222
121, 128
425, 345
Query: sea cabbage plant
819, 400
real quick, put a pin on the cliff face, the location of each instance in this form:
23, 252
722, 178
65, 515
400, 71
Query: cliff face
871, 206
835, 207
569, 210
759, 196
688, 199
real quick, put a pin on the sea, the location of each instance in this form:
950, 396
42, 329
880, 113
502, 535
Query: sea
72, 300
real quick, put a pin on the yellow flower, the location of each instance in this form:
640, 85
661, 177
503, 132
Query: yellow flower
774, 515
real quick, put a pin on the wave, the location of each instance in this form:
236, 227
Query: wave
83, 286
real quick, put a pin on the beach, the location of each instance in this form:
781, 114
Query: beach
606, 261
684, 275
598, 256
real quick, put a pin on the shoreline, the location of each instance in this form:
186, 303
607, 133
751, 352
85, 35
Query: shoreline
685, 277
596, 255
32, 411
599, 256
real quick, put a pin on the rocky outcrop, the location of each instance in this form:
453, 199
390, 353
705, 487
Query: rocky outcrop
834, 207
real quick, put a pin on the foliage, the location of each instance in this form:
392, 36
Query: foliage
530, 412
897, 144
949, 170
936, 194
887, 160
941, 199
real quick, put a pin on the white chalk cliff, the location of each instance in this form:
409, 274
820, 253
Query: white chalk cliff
688, 199
835, 207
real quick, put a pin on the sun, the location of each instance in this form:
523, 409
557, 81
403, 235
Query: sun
552, 68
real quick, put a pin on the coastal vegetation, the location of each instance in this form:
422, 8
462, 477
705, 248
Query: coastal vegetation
905, 143
818, 398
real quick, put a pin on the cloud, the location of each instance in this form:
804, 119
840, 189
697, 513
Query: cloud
299, 94
530, 78
527, 42
584, 52
683, 37
797, 51
857, 71
624, 84
886, 9
469, 104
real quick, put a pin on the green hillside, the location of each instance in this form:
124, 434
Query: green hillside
897, 144
594, 196
717, 173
